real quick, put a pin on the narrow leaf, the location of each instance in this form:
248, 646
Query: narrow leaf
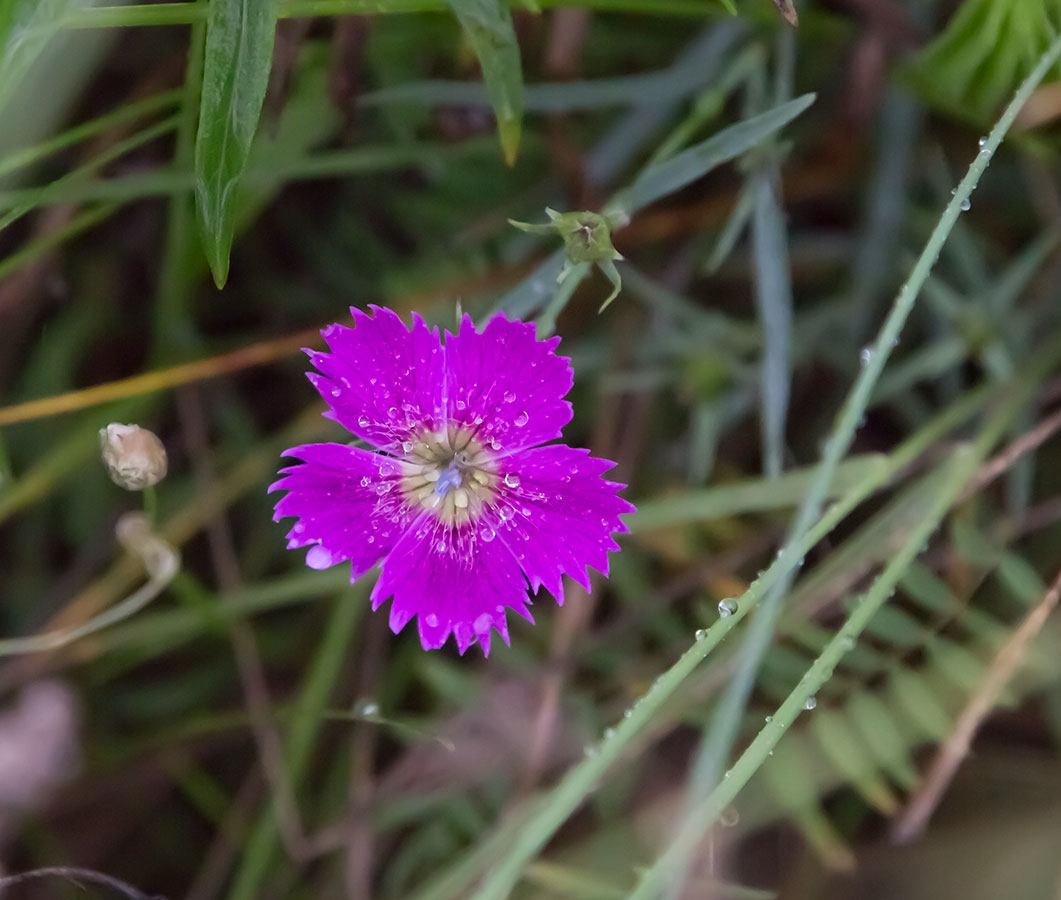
25, 27
488, 25
773, 300
689, 165
239, 53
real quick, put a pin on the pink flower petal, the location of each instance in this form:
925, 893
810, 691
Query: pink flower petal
559, 515
542, 512
506, 384
454, 582
382, 381
347, 503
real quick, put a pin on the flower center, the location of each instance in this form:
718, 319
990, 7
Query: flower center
450, 473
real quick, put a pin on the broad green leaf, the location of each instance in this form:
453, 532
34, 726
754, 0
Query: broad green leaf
239, 54
488, 25
689, 165
25, 27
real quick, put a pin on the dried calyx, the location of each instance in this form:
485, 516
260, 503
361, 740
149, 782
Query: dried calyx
134, 456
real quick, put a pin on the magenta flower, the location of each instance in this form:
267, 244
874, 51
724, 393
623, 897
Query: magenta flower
459, 500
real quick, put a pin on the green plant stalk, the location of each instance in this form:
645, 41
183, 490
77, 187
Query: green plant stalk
727, 716
151, 504
176, 274
955, 474
260, 848
546, 322
172, 628
27, 156
187, 13
35, 197
178, 178
52, 239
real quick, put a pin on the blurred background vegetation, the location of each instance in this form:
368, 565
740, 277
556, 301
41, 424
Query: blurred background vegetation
255, 732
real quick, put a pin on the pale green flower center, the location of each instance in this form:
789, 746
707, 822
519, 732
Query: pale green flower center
450, 473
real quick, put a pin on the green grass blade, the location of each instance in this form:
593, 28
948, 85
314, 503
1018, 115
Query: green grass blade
697, 161
746, 496
239, 55
28, 156
488, 26
25, 27
261, 845
773, 299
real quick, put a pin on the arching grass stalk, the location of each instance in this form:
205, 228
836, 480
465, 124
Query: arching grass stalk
160, 561
553, 809
950, 479
725, 722
954, 474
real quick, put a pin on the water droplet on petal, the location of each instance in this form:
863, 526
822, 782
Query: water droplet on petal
521, 420
319, 558
487, 535
407, 446
727, 607
392, 412
363, 421
336, 391
510, 397
461, 405
441, 546
512, 480
431, 620
506, 513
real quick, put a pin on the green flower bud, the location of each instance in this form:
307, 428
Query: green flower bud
587, 238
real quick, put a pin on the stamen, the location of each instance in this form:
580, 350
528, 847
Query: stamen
453, 476
449, 477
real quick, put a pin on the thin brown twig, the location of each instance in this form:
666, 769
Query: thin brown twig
1013, 452
577, 613
149, 382
227, 843
245, 648
912, 822
358, 835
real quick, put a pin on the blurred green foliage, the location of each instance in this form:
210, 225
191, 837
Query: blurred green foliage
257, 732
